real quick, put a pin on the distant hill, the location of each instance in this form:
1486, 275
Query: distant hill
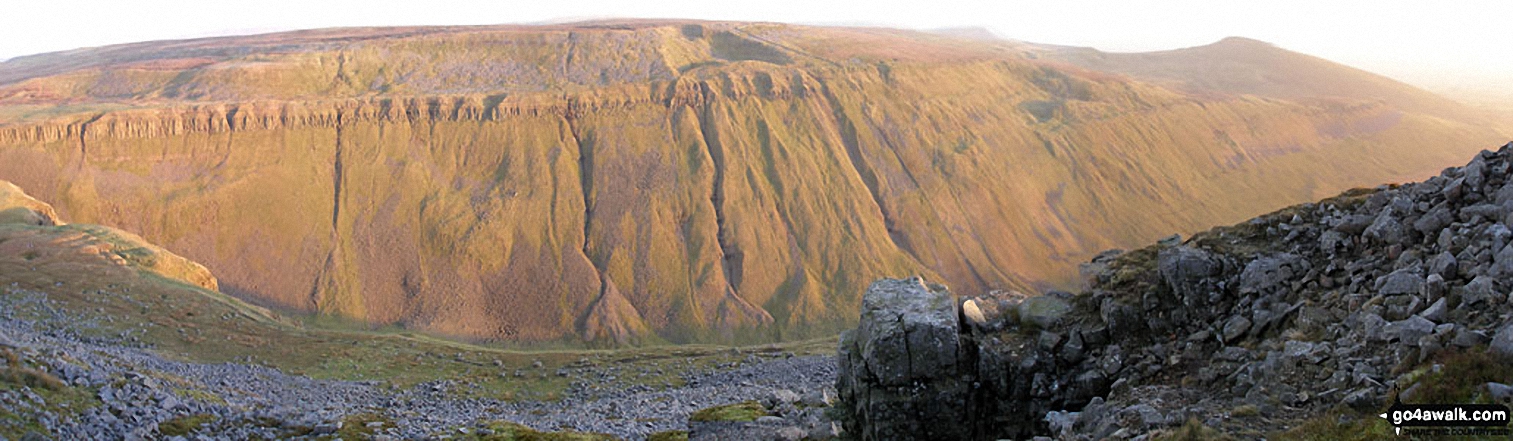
644, 181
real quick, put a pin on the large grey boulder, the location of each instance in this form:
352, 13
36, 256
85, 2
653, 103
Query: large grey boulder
907, 332
899, 368
1191, 273
1401, 282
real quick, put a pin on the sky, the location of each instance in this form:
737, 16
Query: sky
1433, 44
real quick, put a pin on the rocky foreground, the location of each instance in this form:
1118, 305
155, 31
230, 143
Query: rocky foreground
63, 379
1303, 323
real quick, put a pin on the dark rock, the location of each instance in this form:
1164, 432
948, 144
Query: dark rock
1466, 337
1269, 273
1361, 399
1235, 328
1502, 343
1401, 282
1443, 265
1437, 311
907, 338
1354, 224
1386, 229
1190, 272
1480, 290
1409, 330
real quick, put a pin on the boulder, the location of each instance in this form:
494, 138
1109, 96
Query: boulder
1502, 343
1043, 311
1437, 311
907, 332
1190, 272
1235, 328
1267, 274
1408, 331
898, 369
1401, 282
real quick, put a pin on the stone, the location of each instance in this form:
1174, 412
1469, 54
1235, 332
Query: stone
1501, 345
791, 434
1434, 287
1437, 311
1190, 272
907, 331
1443, 265
1401, 282
769, 419
1430, 223
326, 428
1467, 337
1408, 331
1499, 392
1043, 311
1061, 422
1235, 328
1361, 399
1269, 273
1480, 290
898, 369
1386, 229
1354, 224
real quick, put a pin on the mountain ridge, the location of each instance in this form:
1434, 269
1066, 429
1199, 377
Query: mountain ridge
732, 180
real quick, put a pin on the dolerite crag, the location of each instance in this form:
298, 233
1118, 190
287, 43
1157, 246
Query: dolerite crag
1319, 309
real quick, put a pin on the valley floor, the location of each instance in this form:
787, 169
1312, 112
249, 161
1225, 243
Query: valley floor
69, 377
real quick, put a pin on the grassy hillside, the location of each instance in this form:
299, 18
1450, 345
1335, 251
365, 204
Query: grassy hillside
122, 286
656, 181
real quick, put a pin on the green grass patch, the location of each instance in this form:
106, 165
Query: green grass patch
743, 411
670, 435
184, 425
1460, 377
57, 397
508, 431
1341, 425
363, 426
1193, 430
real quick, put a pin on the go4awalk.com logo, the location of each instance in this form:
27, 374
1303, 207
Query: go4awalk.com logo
1436, 420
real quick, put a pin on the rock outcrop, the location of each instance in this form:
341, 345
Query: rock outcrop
1290, 316
902, 369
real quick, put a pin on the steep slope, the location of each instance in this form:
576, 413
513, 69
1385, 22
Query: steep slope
30, 229
1304, 323
100, 339
642, 181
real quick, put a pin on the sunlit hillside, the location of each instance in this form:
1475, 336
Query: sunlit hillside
654, 181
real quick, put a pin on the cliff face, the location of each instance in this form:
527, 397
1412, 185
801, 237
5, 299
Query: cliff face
640, 181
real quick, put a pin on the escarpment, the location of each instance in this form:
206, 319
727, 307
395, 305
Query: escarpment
1315, 316
651, 181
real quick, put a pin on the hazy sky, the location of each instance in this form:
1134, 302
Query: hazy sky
1421, 41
